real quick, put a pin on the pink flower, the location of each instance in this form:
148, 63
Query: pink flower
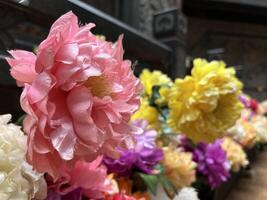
121, 196
78, 94
88, 177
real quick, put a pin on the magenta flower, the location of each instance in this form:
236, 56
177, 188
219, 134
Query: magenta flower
185, 143
73, 195
142, 158
212, 163
78, 94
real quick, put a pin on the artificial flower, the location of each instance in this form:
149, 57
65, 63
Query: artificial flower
263, 108
141, 195
260, 125
148, 113
180, 169
90, 177
187, 193
205, 104
155, 78
185, 143
145, 139
121, 196
212, 162
18, 179
125, 185
251, 107
73, 195
235, 154
144, 157
163, 98
243, 132
249, 102
78, 94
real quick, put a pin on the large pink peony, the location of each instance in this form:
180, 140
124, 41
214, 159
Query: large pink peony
78, 94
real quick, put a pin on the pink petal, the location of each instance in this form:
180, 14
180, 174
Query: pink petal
79, 103
40, 87
63, 140
118, 52
41, 145
22, 66
65, 26
89, 175
67, 53
83, 34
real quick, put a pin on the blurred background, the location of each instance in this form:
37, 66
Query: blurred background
159, 34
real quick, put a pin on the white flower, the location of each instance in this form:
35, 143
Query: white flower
17, 179
187, 193
260, 125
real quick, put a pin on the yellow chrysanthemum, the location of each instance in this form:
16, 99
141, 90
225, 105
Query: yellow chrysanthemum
206, 103
149, 113
154, 78
235, 154
179, 167
164, 96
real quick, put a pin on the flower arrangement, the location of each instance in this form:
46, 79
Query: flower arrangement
91, 132
210, 105
18, 179
78, 94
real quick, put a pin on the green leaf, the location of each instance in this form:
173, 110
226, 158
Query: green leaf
167, 185
155, 95
160, 168
151, 181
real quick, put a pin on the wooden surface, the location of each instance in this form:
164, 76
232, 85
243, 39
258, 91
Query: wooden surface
252, 185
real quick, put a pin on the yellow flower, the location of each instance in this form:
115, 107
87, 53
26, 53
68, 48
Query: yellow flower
164, 96
149, 113
179, 167
155, 78
235, 154
205, 104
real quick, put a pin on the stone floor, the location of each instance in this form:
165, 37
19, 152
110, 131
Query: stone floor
253, 184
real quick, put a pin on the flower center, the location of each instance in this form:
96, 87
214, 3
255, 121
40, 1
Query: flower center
98, 86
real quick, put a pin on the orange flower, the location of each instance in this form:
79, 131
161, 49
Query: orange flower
141, 196
125, 185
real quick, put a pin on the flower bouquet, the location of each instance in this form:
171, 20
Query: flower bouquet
95, 131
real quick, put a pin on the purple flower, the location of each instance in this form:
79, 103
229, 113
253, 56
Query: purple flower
143, 157
73, 195
146, 137
185, 143
212, 162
